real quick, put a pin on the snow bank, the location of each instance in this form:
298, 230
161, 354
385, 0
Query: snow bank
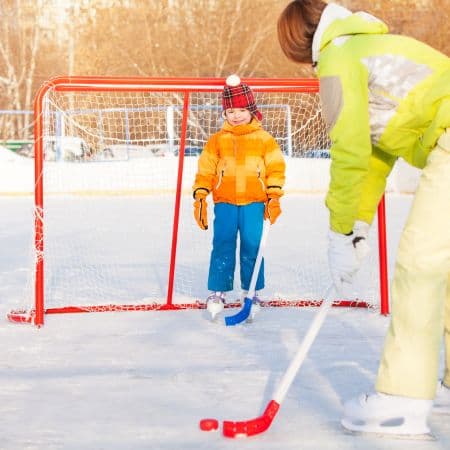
8, 156
140, 175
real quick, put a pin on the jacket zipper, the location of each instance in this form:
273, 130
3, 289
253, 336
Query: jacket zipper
220, 178
260, 179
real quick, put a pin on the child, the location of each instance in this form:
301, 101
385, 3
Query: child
244, 169
386, 96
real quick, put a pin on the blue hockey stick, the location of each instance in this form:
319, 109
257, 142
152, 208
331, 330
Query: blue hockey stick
246, 309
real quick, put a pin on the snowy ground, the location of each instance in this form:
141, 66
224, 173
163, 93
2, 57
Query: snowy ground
143, 380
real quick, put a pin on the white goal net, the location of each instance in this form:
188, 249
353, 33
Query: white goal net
115, 162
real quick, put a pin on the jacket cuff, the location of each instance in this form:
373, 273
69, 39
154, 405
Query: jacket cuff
203, 192
274, 191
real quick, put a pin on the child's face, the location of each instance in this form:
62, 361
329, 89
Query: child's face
238, 116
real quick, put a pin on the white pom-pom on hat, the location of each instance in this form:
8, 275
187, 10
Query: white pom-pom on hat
233, 80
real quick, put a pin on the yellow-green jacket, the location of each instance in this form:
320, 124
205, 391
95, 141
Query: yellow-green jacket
383, 97
240, 165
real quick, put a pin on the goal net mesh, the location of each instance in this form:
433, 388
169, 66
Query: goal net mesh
113, 230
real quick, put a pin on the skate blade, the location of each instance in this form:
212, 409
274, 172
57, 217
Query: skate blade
215, 318
254, 312
215, 311
440, 410
251, 319
381, 432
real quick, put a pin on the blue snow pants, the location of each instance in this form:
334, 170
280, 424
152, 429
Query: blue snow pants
229, 221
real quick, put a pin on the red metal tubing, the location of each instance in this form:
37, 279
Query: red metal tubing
39, 203
141, 83
176, 215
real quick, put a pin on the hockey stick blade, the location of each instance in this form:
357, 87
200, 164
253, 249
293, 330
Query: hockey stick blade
241, 315
253, 426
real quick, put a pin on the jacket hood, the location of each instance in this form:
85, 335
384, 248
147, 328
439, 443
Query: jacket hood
337, 21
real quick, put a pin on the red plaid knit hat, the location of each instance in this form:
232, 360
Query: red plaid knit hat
239, 95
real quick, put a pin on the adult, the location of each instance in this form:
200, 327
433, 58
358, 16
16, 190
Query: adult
385, 97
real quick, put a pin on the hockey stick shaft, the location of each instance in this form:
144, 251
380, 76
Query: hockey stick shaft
303, 350
244, 312
259, 257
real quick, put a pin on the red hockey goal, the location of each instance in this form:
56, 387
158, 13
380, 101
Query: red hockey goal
115, 160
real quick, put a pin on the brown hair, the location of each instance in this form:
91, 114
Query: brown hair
296, 27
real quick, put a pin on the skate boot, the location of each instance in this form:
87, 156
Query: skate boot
401, 417
215, 303
442, 400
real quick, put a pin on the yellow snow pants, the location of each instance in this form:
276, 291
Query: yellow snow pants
420, 291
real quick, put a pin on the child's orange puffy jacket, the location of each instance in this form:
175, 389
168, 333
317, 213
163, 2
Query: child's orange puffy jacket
241, 164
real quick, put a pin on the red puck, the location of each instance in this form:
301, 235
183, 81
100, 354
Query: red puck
209, 424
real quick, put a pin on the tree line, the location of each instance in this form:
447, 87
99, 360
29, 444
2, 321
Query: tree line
40, 39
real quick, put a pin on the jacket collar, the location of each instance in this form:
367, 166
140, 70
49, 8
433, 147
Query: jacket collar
241, 129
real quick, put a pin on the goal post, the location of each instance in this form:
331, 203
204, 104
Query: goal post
113, 225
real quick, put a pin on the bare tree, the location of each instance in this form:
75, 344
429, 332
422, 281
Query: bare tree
19, 45
190, 38
27, 50
184, 38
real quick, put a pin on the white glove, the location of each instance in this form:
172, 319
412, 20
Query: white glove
342, 258
361, 239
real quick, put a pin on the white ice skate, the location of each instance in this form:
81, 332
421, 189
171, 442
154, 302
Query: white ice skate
215, 304
442, 400
382, 414
256, 305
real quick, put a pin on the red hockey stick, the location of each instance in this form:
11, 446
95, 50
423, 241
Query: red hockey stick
260, 424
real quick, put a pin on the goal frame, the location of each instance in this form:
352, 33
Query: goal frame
184, 86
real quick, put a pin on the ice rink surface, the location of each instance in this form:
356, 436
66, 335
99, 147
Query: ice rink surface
143, 380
